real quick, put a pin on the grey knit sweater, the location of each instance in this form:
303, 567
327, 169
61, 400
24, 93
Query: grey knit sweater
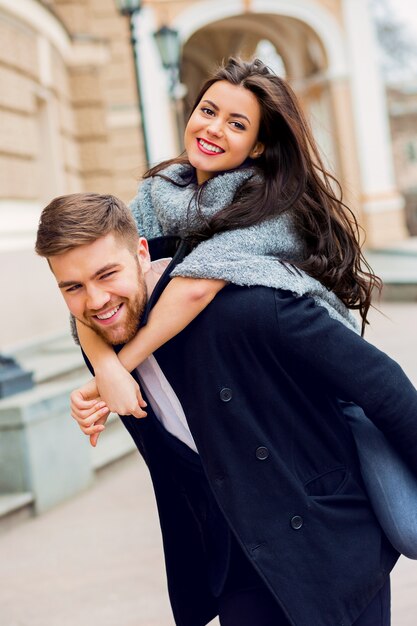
257, 255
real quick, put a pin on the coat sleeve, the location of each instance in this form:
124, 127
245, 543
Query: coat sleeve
142, 209
352, 368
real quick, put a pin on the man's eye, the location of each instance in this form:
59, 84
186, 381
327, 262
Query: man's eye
107, 274
73, 288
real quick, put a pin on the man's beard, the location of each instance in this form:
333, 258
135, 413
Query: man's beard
132, 317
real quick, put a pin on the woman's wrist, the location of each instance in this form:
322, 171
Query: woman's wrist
127, 360
106, 364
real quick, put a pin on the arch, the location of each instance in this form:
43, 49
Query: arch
321, 21
42, 20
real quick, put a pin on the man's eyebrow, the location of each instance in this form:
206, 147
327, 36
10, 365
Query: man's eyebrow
69, 283
216, 108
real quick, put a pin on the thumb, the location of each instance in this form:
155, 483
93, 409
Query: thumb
94, 439
140, 400
138, 412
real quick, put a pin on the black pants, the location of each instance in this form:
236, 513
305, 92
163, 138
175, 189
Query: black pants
246, 601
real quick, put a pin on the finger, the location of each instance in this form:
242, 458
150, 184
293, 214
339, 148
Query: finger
87, 404
94, 428
81, 414
138, 412
79, 401
94, 439
141, 401
85, 413
93, 417
98, 426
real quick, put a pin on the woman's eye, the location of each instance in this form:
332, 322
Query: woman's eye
238, 125
207, 111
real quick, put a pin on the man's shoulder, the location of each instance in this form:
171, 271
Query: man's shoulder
272, 305
236, 304
258, 293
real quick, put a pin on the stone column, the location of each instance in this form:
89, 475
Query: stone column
158, 112
382, 203
346, 149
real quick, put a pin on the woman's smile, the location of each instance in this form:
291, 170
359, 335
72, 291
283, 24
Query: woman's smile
208, 147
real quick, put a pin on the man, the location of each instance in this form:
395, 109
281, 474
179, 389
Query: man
268, 524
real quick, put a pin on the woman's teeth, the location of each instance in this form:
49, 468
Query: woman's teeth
209, 146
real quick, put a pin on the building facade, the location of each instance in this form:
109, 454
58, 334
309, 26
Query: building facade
69, 122
402, 104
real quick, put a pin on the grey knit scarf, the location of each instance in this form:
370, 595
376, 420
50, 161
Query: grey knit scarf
257, 255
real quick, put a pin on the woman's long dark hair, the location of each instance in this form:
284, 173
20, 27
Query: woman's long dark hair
295, 180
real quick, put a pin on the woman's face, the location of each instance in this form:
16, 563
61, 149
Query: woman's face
223, 130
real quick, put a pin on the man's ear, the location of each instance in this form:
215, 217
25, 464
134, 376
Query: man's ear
143, 255
257, 150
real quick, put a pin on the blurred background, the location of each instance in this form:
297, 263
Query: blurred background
92, 93
90, 97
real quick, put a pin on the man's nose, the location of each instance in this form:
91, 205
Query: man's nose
96, 298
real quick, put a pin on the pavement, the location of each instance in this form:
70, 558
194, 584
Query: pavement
96, 560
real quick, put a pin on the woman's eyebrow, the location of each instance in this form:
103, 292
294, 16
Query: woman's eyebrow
216, 108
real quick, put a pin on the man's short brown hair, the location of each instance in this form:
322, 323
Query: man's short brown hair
82, 218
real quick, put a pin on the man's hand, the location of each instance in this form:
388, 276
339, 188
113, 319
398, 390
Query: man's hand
89, 411
119, 390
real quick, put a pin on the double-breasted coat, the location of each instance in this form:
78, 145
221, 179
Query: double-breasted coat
259, 373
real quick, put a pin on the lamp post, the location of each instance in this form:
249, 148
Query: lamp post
169, 47
131, 8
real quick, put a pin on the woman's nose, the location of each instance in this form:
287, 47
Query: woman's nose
215, 129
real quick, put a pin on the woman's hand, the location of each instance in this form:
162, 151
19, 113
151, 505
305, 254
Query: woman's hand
119, 390
89, 411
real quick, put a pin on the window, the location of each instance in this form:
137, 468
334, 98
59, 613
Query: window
411, 151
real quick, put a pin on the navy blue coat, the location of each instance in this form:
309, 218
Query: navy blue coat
258, 374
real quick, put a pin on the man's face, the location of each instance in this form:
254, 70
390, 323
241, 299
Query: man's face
103, 286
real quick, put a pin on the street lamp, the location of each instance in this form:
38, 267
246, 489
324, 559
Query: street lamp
131, 8
169, 47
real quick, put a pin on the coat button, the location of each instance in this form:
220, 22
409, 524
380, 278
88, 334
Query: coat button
226, 394
262, 453
296, 522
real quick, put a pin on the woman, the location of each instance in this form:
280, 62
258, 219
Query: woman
253, 188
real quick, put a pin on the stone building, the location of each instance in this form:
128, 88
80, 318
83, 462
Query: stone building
402, 104
70, 120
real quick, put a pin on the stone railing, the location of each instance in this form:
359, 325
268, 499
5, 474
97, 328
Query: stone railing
44, 457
